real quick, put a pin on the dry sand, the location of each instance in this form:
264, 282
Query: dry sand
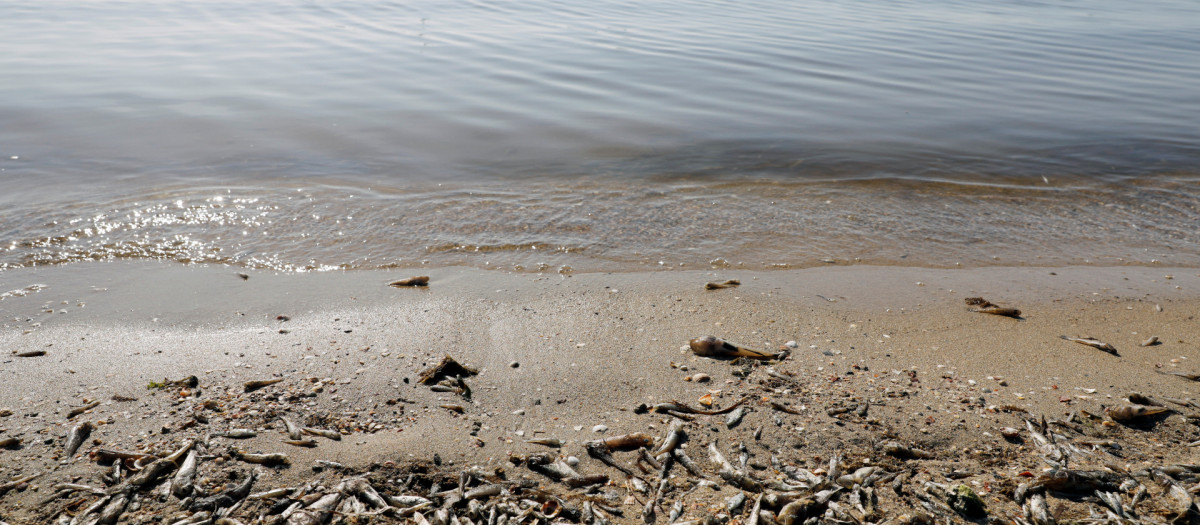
559, 355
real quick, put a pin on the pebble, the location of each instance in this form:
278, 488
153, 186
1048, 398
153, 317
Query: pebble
519, 412
599, 428
792, 344
573, 461
514, 364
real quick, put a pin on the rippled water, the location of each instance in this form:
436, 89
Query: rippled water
601, 135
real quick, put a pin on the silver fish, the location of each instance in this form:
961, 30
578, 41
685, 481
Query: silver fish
327, 434
735, 418
184, 481
261, 459
293, 431
77, 436
1094, 343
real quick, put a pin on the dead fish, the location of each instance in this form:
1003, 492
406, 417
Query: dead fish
1065, 480
628, 441
1094, 343
856, 478
420, 280
674, 436
272, 494
261, 459
598, 450
79, 410
10, 442
549, 442
5, 487
984, 306
709, 346
576, 482
715, 285
227, 498
77, 436
293, 431
109, 456
237, 433
251, 386
1185, 375
1130, 413
306, 443
327, 434
735, 418
898, 450
784, 408
184, 481
1142, 399
1153, 340
31, 353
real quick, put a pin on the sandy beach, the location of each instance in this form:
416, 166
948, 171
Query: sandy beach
876, 355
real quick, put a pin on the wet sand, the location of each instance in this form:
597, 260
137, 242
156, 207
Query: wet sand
560, 354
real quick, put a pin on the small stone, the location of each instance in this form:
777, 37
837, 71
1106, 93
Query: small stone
573, 461
519, 412
514, 364
792, 344
578, 428
599, 429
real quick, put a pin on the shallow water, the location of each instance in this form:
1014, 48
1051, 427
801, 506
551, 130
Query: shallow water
600, 135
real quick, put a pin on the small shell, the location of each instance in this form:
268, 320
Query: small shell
1010, 433
706, 400
699, 378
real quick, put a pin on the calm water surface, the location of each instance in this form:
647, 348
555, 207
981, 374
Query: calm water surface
599, 135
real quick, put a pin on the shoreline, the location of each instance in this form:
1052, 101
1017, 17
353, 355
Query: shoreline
590, 348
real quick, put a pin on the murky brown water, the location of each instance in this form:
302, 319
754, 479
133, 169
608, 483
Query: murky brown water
599, 135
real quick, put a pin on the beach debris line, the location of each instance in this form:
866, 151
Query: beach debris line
411, 282
984, 306
1094, 343
717, 285
710, 346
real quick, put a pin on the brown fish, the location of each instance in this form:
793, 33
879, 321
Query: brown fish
420, 280
628, 441
717, 285
709, 346
79, 410
1130, 413
984, 306
251, 386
